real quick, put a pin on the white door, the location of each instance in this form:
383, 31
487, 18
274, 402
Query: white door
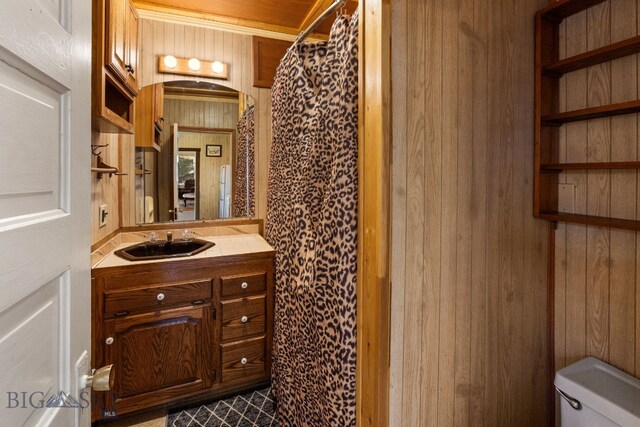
45, 62
176, 178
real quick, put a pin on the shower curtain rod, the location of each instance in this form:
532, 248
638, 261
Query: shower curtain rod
335, 5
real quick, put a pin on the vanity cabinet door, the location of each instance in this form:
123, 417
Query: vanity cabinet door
159, 357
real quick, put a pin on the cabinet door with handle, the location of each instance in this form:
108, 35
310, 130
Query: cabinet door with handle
116, 37
122, 41
131, 65
158, 357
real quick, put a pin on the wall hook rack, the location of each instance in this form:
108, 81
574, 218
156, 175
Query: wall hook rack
103, 168
94, 147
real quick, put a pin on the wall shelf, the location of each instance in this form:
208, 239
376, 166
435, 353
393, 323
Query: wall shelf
549, 69
559, 167
624, 224
594, 57
609, 110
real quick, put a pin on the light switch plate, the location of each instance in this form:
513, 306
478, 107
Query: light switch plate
567, 198
102, 215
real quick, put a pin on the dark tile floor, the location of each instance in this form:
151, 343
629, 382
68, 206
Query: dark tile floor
255, 409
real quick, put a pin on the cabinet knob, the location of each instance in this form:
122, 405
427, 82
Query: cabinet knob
244, 361
244, 319
109, 341
244, 285
160, 296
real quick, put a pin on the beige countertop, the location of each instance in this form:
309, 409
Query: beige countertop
239, 244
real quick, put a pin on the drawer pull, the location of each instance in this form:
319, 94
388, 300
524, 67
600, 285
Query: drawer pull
244, 285
121, 313
244, 361
160, 296
109, 341
198, 302
244, 319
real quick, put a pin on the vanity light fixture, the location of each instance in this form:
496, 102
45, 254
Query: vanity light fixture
193, 67
170, 61
217, 67
194, 64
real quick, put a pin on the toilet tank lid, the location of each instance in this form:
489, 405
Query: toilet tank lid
603, 388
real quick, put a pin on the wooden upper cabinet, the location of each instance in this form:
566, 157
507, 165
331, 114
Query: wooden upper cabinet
115, 65
122, 41
149, 120
267, 54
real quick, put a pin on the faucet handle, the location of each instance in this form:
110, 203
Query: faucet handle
153, 236
186, 234
169, 236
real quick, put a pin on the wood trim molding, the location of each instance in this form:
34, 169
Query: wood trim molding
221, 23
374, 238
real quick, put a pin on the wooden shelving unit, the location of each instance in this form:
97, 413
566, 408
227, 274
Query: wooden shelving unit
549, 69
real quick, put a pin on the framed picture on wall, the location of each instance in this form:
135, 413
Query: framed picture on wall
214, 150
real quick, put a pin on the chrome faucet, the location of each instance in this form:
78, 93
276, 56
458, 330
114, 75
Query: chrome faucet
169, 237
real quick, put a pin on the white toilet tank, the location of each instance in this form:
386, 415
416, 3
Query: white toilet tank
594, 394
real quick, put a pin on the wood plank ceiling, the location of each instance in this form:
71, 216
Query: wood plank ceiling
283, 16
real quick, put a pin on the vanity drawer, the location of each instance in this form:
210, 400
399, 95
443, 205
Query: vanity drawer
243, 359
156, 297
243, 317
245, 284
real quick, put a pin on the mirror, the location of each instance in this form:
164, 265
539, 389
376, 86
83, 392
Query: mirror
202, 164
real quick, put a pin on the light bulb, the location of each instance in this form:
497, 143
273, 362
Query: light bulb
217, 67
194, 64
170, 61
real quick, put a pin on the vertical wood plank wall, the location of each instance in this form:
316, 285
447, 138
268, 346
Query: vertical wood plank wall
469, 304
596, 274
160, 38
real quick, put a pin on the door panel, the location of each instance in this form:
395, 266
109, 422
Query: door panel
44, 200
29, 179
159, 356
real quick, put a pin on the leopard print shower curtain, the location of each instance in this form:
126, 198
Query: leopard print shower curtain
312, 224
244, 203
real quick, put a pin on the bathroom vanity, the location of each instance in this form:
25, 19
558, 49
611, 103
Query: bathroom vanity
185, 329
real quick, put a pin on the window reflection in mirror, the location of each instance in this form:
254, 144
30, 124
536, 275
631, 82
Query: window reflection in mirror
201, 164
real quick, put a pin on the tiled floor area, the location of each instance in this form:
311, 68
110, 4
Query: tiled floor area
255, 409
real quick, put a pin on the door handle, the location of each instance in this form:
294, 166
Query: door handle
100, 380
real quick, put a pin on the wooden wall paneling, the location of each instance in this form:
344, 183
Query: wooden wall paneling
493, 206
576, 136
462, 359
637, 245
596, 268
105, 190
479, 197
624, 135
532, 268
559, 278
450, 113
399, 218
598, 187
432, 190
414, 398
475, 290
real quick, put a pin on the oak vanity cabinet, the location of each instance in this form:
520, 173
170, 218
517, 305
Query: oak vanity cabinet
115, 50
183, 331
